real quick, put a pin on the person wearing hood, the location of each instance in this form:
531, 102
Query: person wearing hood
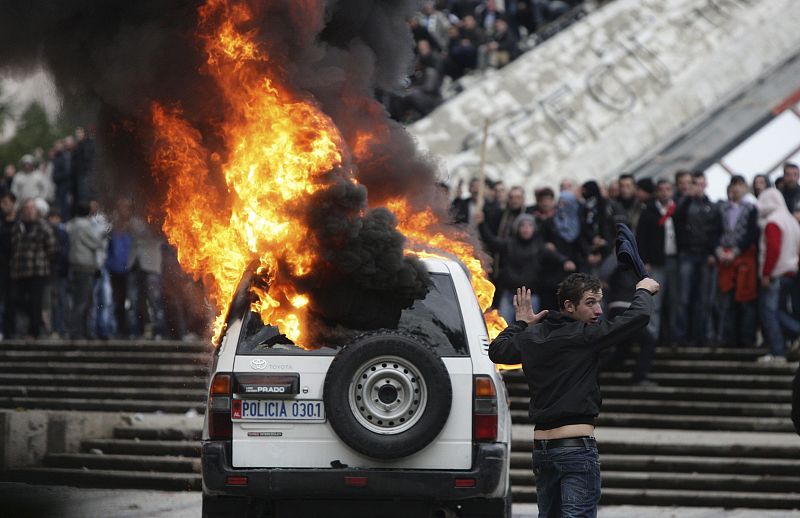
523, 258
562, 232
777, 267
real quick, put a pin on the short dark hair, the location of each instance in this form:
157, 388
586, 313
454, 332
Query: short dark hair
647, 185
82, 209
662, 182
543, 192
574, 286
626, 176
681, 173
738, 179
698, 174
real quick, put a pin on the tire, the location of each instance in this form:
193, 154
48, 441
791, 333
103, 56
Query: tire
387, 395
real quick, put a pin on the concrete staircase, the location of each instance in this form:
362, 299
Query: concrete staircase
111, 376
715, 430
135, 458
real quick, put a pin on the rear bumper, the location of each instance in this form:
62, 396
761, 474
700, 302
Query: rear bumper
425, 485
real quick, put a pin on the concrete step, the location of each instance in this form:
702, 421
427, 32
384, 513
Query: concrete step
719, 367
157, 434
124, 357
636, 403
149, 394
708, 353
102, 405
92, 380
106, 478
678, 393
682, 422
677, 379
683, 481
103, 368
683, 463
108, 345
691, 498
159, 463
139, 447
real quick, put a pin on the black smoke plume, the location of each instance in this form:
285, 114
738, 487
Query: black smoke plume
111, 59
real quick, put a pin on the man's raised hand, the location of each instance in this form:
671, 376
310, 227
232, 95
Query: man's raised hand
524, 309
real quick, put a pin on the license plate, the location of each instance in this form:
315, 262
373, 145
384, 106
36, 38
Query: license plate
278, 410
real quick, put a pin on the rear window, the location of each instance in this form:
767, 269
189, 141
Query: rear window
436, 319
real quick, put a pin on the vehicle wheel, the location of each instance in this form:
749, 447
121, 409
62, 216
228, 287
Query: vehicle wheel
231, 507
387, 395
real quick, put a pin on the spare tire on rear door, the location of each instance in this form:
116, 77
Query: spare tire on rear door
387, 395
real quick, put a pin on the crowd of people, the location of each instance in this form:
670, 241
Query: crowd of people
454, 37
69, 269
728, 269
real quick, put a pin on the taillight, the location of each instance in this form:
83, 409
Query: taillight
219, 407
484, 409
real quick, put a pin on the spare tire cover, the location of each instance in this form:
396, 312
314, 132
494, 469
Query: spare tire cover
387, 395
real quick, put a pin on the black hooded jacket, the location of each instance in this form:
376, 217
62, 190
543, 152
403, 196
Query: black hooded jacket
559, 357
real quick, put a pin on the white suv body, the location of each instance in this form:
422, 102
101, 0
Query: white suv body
361, 422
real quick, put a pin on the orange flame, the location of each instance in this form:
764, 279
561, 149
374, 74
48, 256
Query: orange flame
419, 229
278, 147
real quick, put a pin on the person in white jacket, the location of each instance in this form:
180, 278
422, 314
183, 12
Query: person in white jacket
777, 268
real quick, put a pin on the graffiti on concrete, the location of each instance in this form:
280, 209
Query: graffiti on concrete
605, 91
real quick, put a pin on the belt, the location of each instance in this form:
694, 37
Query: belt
567, 442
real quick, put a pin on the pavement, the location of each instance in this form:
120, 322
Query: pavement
24, 501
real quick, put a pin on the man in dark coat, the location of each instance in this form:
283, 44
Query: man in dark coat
698, 230
33, 246
559, 353
655, 235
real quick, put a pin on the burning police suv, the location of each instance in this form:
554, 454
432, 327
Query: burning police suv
412, 417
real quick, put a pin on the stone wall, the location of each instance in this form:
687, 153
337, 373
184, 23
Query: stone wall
611, 88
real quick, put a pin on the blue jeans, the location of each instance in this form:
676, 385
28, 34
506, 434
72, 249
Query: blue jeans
567, 481
695, 285
775, 319
144, 289
101, 321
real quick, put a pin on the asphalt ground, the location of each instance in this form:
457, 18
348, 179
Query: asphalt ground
25, 501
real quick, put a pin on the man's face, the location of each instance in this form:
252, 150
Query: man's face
626, 188
473, 188
516, 199
664, 192
791, 176
29, 212
500, 192
546, 203
738, 190
124, 208
699, 186
685, 184
566, 185
588, 310
10, 171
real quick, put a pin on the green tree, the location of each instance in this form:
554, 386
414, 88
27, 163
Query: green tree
33, 130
